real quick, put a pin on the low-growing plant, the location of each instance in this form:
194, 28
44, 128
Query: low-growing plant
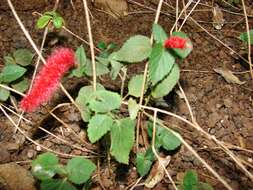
100, 108
244, 37
13, 72
54, 176
50, 17
191, 182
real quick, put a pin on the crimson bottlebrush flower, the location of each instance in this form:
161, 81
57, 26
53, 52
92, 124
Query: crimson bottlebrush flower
48, 79
175, 42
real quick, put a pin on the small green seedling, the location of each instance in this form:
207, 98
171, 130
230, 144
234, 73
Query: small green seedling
191, 182
49, 17
144, 161
244, 37
164, 140
13, 72
54, 176
106, 49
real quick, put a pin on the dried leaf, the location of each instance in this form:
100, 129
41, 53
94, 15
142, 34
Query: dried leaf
228, 76
157, 172
218, 20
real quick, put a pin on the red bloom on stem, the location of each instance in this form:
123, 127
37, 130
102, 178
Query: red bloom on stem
48, 79
175, 42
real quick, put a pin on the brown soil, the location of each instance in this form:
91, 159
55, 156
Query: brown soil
222, 109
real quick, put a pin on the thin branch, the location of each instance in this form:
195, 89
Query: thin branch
31, 140
185, 19
195, 154
186, 101
186, 6
11, 89
93, 61
158, 11
156, 154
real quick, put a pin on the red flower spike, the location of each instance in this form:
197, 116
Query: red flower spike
48, 79
175, 42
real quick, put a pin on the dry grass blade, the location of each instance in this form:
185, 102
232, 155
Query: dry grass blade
188, 15
91, 44
158, 11
160, 160
189, 147
31, 140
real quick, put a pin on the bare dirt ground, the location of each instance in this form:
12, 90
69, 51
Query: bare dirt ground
221, 108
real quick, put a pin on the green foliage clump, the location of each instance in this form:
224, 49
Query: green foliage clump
54, 176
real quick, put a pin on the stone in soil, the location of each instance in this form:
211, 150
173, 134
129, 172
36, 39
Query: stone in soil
15, 177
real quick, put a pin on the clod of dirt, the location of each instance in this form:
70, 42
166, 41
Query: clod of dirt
117, 8
14, 177
218, 20
4, 155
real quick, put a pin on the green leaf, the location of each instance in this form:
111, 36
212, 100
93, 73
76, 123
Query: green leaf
104, 101
98, 126
133, 108
169, 140
160, 63
56, 184
135, 49
81, 59
80, 170
244, 37
115, 69
144, 162
101, 45
61, 170
21, 86
23, 57
84, 95
43, 167
167, 84
122, 139
111, 46
101, 69
103, 60
9, 60
164, 137
159, 34
190, 181
80, 56
43, 21
204, 186
11, 73
135, 86
183, 53
58, 21
4, 94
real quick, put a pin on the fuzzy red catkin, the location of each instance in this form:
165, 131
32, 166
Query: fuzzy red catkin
175, 42
48, 79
